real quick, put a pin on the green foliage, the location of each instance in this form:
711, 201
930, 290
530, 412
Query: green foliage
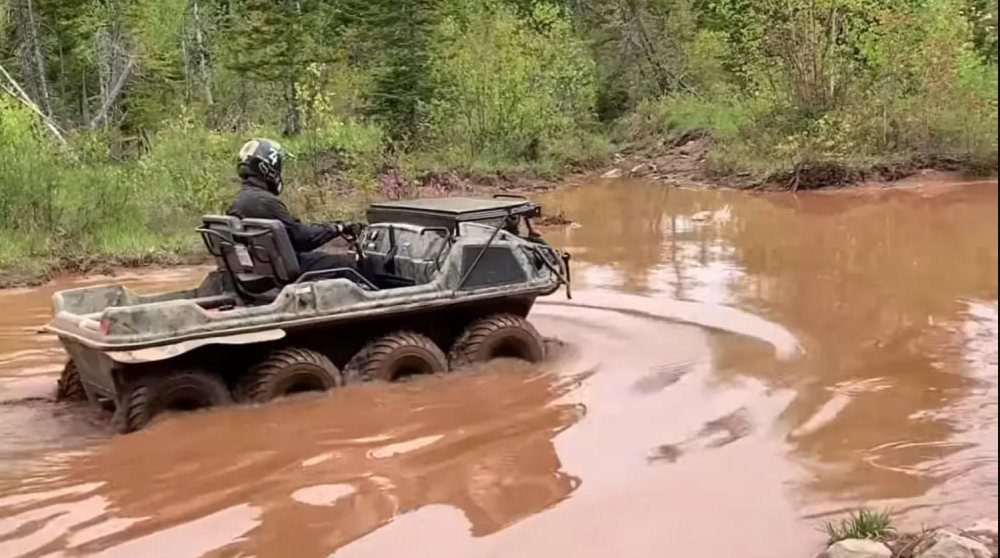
861, 524
66, 202
28, 187
644, 49
674, 115
157, 28
275, 42
838, 84
357, 86
508, 87
401, 78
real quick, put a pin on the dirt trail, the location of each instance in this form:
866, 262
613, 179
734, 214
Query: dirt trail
738, 367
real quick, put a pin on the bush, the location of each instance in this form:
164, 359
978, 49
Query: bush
79, 202
508, 88
861, 524
674, 115
828, 88
27, 178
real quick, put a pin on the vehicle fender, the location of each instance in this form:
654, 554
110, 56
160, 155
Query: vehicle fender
163, 352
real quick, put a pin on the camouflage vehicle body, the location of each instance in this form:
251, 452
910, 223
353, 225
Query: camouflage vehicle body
429, 271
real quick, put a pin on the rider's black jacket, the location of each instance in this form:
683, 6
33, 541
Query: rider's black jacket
257, 202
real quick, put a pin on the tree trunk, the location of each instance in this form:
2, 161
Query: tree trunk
14, 89
33, 63
114, 65
84, 100
293, 116
204, 64
186, 62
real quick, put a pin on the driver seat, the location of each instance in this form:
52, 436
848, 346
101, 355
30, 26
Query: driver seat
260, 258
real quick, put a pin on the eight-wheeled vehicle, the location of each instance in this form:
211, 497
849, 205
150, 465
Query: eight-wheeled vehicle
439, 283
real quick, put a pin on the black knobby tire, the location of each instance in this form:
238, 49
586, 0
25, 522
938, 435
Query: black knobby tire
286, 371
397, 355
70, 387
149, 395
496, 336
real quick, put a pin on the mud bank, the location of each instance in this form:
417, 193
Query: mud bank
684, 162
681, 161
38, 272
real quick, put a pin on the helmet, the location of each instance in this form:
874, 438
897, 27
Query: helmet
262, 158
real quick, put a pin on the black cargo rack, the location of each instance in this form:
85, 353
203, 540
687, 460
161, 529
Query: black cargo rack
449, 212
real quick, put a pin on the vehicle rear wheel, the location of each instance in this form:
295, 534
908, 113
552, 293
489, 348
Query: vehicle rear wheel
69, 387
497, 336
395, 356
152, 394
286, 371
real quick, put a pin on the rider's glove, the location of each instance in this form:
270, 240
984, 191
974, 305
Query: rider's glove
350, 229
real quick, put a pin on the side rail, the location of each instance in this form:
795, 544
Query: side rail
556, 261
335, 273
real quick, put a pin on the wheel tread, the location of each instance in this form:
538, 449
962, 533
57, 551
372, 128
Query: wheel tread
464, 349
255, 384
69, 386
136, 407
364, 365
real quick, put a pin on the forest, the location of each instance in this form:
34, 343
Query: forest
120, 120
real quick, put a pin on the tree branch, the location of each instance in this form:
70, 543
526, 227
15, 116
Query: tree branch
112, 95
15, 90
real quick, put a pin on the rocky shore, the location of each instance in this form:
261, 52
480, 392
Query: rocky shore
975, 541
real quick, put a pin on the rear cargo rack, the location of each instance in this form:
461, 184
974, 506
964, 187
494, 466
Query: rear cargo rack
448, 213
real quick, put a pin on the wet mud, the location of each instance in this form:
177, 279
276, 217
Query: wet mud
732, 369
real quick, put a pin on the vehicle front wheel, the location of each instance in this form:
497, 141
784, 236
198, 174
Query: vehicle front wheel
497, 336
153, 393
396, 356
286, 371
69, 387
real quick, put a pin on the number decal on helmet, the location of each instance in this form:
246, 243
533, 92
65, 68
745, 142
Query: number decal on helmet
272, 156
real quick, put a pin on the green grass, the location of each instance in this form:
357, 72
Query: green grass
725, 115
585, 149
861, 524
774, 142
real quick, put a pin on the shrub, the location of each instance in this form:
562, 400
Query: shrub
508, 87
861, 524
828, 87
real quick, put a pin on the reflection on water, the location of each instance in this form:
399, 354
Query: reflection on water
306, 476
740, 365
892, 293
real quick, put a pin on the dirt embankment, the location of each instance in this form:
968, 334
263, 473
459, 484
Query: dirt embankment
41, 271
682, 162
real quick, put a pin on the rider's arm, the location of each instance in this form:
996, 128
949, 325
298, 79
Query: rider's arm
304, 236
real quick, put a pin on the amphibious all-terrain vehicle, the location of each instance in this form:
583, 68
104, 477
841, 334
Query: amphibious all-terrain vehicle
439, 283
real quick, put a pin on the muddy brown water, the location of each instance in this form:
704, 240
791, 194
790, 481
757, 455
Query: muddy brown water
738, 368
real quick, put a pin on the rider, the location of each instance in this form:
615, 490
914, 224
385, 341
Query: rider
259, 169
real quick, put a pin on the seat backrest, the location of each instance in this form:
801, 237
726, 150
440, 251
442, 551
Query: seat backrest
224, 225
256, 253
270, 251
